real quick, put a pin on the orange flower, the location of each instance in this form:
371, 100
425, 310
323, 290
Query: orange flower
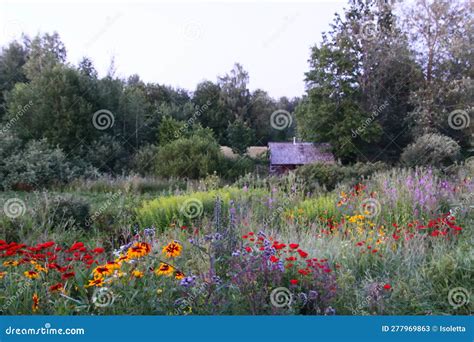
138, 250
179, 275
31, 274
96, 282
10, 263
173, 249
164, 269
102, 270
35, 305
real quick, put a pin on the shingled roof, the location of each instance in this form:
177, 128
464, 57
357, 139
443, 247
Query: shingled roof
299, 153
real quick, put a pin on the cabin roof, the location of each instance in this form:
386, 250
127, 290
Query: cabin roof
299, 153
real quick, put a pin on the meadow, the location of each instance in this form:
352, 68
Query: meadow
398, 242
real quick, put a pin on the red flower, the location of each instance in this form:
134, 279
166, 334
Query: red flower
294, 281
75, 246
302, 254
57, 287
248, 249
294, 245
98, 250
387, 286
68, 275
274, 259
291, 258
277, 245
244, 236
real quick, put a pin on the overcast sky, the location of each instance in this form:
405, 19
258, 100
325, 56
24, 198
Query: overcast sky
182, 43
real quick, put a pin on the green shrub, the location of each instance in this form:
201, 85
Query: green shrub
329, 175
67, 212
431, 149
144, 160
34, 166
193, 157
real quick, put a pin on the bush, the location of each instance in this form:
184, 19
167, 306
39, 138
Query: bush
329, 175
431, 149
108, 155
144, 160
36, 165
193, 157
232, 169
67, 212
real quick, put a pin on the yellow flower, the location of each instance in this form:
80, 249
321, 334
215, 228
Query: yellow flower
159, 291
179, 275
96, 282
119, 274
173, 249
31, 274
40, 268
138, 250
121, 259
113, 265
102, 270
10, 263
164, 269
35, 305
2, 274
137, 274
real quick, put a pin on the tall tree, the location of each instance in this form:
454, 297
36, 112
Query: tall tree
12, 59
358, 84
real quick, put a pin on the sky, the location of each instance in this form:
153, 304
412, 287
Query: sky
182, 43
